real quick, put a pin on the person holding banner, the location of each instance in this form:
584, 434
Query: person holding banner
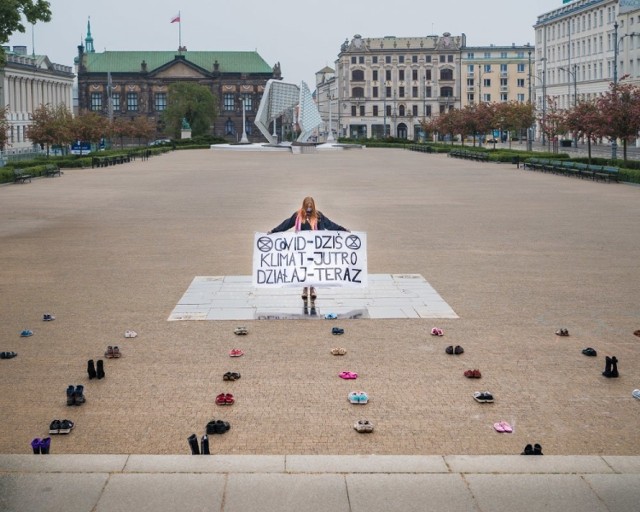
308, 218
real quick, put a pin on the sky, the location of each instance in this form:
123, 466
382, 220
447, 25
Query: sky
303, 37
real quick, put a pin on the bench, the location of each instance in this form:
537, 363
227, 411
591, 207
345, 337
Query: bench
469, 155
606, 173
51, 170
20, 177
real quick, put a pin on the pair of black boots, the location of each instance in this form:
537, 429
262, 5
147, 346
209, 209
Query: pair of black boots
95, 370
611, 367
535, 449
203, 449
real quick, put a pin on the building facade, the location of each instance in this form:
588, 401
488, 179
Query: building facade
26, 83
494, 74
583, 46
384, 87
133, 83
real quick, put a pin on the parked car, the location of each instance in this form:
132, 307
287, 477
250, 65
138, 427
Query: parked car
160, 142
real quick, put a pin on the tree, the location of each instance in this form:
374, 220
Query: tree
50, 125
620, 107
89, 127
515, 116
586, 121
4, 127
553, 121
193, 102
143, 129
11, 13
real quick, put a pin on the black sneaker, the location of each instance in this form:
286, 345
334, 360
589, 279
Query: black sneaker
528, 450
54, 427
66, 426
537, 449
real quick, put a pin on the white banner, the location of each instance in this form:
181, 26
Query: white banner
310, 258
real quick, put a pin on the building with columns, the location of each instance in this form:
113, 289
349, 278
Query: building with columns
26, 83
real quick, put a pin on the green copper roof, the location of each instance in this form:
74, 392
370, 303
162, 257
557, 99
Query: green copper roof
123, 62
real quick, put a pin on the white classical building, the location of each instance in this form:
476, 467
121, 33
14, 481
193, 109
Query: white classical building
576, 48
27, 82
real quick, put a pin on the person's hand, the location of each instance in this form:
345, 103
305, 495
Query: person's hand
268, 232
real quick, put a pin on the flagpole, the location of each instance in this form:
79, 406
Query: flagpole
179, 32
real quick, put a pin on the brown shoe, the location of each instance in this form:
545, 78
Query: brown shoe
313, 293
109, 353
305, 293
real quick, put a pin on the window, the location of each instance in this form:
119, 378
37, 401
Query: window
357, 92
387, 74
446, 74
503, 82
161, 101
414, 74
353, 59
248, 102
353, 111
414, 110
361, 110
375, 92
375, 111
96, 101
388, 110
401, 92
414, 92
374, 59
427, 76
387, 92
487, 55
401, 59
361, 60
443, 58
427, 58
503, 96
428, 112
470, 82
470, 55
487, 98
446, 91
387, 59
470, 97
414, 59
401, 74
375, 75
428, 91
503, 68
449, 58
132, 101
487, 68
503, 55
229, 101
520, 97
486, 82
115, 101
357, 75
401, 111
520, 68
229, 127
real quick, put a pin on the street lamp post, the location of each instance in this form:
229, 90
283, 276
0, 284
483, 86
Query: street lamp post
330, 136
244, 139
614, 143
530, 130
575, 93
384, 113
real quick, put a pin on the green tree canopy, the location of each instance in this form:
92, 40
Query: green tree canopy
4, 127
193, 102
11, 13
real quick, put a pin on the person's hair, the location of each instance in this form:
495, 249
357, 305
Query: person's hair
308, 202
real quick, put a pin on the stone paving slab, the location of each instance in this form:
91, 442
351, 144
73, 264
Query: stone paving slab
527, 464
210, 464
365, 464
620, 493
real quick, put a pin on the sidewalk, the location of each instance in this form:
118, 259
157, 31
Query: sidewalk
277, 483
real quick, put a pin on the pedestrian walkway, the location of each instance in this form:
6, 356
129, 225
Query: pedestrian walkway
300, 483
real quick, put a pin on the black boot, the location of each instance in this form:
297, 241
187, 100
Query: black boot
204, 446
607, 367
193, 443
100, 369
91, 369
78, 395
614, 367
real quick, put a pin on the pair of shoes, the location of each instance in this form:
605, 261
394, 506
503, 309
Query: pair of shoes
636, 393
484, 397
473, 374
536, 449
231, 376
60, 427
338, 351
611, 368
95, 370
358, 397
26, 333
305, 293
363, 426
240, 331
217, 427
457, 350
503, 426
562, 332
437, 332
337, 330
330, 316
589, 352
130, 334
48, 318
41, 446
225, 399
636, 332
348, 375
236, 352
193, 444
112, 352
75, 396
7, 355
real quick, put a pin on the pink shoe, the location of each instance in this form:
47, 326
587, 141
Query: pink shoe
503, 426
236, 352
348, 375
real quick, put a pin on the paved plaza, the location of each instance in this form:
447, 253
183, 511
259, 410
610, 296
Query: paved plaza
515, 254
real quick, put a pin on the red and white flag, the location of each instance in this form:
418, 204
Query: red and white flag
175, 19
